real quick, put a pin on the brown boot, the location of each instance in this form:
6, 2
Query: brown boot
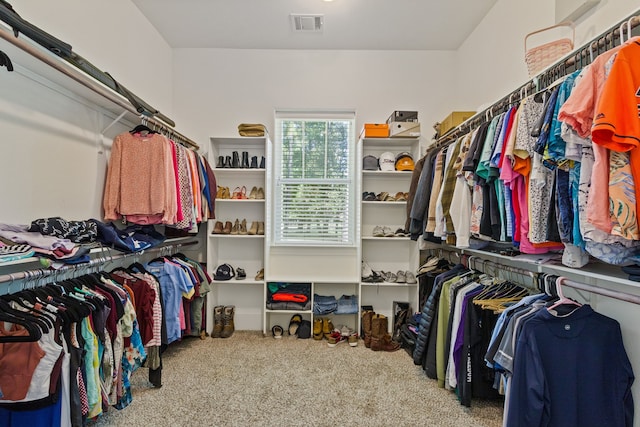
381, 340
217, 229
366, 327
227, 320
217, 321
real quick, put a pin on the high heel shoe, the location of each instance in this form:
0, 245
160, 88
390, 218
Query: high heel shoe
243, 227
254, 193
254, 228
260, 228
260, 194
260, 275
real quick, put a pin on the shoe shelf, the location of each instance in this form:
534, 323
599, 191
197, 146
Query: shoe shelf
386, 253
246, 251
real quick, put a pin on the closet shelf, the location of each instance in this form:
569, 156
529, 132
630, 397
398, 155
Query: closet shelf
238, 282
289, 311
239, 200
387, 239
44, 67
387, 173
237, 236
389, 284
376, 203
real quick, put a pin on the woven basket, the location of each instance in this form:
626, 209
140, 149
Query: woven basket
540, 57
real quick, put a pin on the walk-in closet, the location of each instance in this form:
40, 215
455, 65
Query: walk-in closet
319, 213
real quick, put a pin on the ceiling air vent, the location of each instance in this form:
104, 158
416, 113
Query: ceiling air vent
307, 23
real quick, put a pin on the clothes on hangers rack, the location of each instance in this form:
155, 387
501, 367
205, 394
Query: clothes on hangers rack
174, 186
82, 339
531, 179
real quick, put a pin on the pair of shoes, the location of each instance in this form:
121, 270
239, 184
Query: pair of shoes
294, 323
239, 228
401, 197
369, 196
322, 328
400, 232
406, 277
218, 228
256, 193
223, 324
223, 193
277, 331
257, 228
382, 231
370, 276
239, 193
389, 277
260, 275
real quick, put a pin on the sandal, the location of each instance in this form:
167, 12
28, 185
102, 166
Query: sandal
295, 321
277, 331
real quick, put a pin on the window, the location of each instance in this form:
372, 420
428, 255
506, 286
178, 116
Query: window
314, 179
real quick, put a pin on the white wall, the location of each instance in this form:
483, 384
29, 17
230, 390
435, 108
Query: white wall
216, 89
490, 64
54, 156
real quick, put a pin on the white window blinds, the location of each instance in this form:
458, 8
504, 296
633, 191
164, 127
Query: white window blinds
314, 197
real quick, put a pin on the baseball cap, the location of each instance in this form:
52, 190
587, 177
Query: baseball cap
404, 162
370, 163
224, 272
387, 161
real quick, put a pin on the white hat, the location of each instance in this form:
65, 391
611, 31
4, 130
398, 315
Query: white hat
387, 161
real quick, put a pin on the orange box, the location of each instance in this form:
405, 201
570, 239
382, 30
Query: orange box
376, 130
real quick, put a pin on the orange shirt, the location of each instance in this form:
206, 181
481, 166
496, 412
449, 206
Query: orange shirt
617, 121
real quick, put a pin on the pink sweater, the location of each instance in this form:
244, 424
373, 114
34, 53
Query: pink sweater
140, 180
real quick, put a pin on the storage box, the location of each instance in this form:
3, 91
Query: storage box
375, 130
404, 129
453, 120
403, 116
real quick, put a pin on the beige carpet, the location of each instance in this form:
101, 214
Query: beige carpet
250, 380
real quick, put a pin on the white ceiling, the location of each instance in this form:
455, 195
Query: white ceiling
348, 24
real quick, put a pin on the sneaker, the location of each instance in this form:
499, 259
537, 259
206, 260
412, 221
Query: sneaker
401, 277
401, 233
410, 277
388, 232
346, 331
378, 231
353, 340
335, 338
391, 278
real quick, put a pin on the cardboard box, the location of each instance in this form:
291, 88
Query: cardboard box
403, 116
375, 130
453, 120
404, 129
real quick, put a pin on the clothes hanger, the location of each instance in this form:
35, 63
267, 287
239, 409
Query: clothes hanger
562, 300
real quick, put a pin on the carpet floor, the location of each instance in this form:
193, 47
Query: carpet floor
250, 380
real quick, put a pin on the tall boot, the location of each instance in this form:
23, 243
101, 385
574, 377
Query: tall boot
217, 321
380, 339
366, 327
235, 161
227, 320
245, 160
254, 162
262, 162
227, 162
220, 164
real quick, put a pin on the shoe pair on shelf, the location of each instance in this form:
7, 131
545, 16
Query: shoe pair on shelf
256, 193
235, 162
383, 196
385, 231
399, 277
238, 228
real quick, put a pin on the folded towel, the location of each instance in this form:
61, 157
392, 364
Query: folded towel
251, 129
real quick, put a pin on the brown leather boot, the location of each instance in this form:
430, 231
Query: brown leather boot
217, 229
366, 327
217, 321
227, 320
381, 340
227, 227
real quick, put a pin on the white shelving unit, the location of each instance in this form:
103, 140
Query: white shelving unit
240, 251
386, 253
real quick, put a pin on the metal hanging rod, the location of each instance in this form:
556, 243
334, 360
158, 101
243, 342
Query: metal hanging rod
574, 61
39, 274
168, 131
622, 296
89, 82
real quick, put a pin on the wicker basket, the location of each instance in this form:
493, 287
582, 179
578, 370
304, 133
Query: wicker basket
540, 57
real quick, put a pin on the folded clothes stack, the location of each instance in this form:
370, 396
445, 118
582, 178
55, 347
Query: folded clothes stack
251, 129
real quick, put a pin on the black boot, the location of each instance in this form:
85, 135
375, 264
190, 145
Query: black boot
227, 163
220, 162
245, 159
254, 162
262, 163
235, 162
